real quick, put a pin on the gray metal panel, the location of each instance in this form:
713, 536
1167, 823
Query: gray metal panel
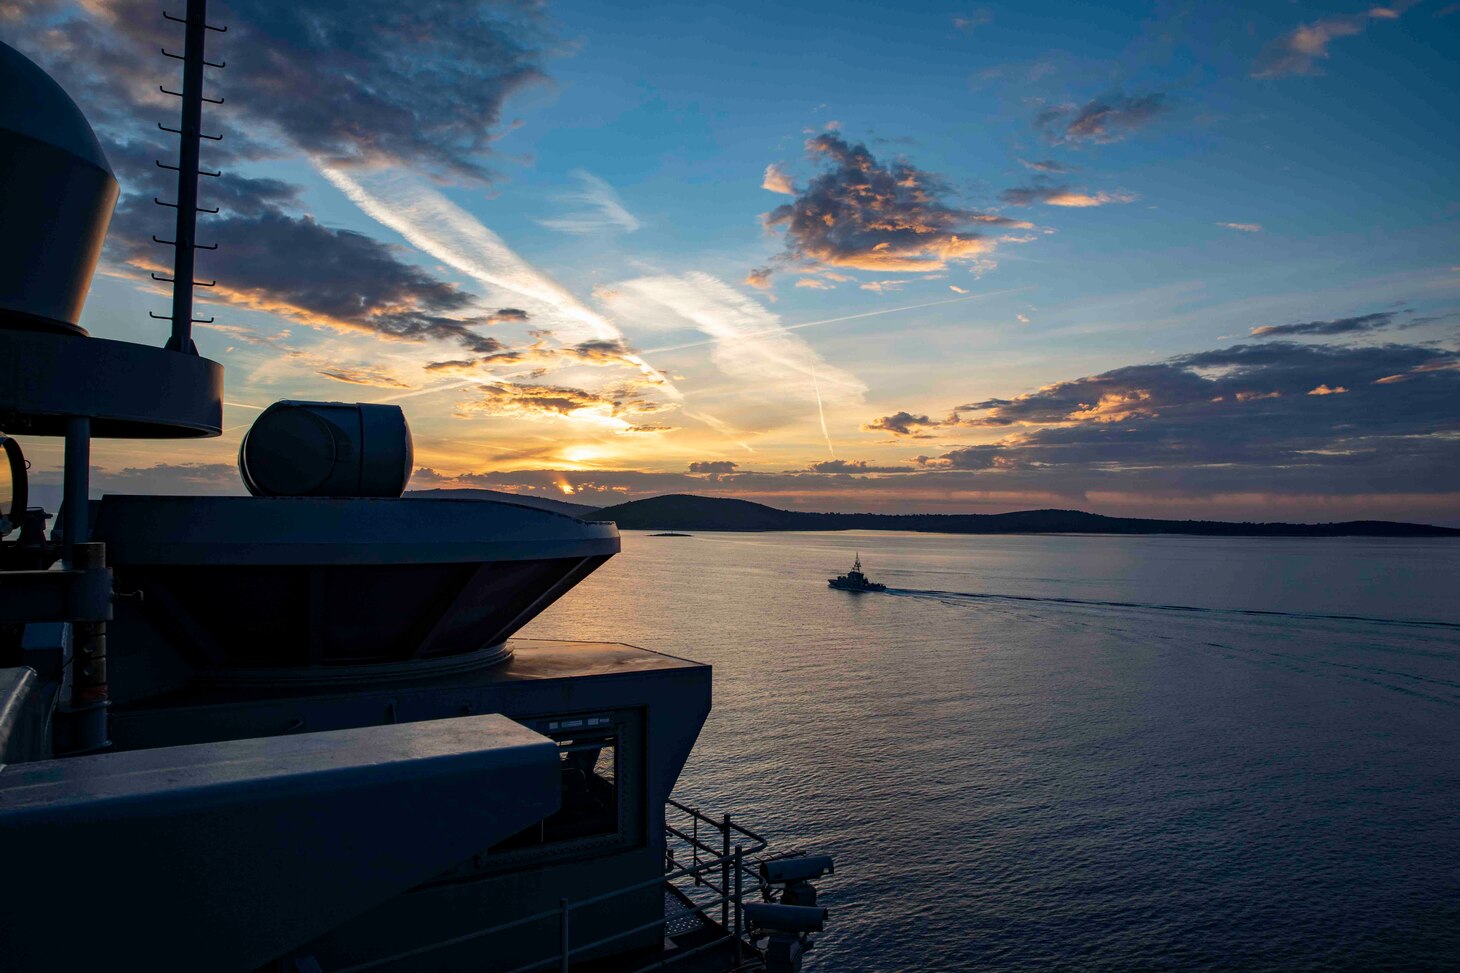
543, 679
56, 596
235, 531
130, 391
25, 703
224, 855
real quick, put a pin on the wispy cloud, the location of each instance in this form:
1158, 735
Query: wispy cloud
1300, 50
1362, 322
1243, 227
435, 225
722, 427
777, 180
364, 375
973, 20
1063, 196
750, 343
853, 467
778, 327
1047, 165
600, 208
599, 352
759, 278
1109, 118
614, 408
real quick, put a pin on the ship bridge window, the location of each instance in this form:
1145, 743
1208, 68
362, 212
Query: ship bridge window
590, 773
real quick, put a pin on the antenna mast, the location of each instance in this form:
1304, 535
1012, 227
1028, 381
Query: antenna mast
189, 133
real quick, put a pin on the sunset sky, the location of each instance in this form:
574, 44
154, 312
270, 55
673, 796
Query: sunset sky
1176, 260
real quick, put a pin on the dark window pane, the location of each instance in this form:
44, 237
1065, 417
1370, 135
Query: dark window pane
590, 798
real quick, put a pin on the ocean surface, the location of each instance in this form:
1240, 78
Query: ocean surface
1078, 752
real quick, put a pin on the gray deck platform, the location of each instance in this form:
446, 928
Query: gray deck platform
258, 841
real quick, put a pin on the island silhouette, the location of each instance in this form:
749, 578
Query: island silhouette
690, 512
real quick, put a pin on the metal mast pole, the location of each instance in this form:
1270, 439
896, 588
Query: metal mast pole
190, 134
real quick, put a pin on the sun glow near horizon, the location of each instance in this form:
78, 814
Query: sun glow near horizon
809, 288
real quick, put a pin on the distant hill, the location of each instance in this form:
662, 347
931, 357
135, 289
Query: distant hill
500, 496
688, 512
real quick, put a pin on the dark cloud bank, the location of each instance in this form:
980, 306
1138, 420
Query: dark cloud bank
1271, 418
368, 82
864, 214
1363, 322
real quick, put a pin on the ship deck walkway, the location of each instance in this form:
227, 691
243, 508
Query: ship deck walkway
693, 943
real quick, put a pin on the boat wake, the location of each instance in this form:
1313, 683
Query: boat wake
955, 597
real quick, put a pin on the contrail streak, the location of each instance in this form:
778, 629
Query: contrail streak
710, 341
848, 317
450, 386
437, 226
720, 426
822, 413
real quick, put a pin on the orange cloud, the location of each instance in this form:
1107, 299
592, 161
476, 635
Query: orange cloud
777, 180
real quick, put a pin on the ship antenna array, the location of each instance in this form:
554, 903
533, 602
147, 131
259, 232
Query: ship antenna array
190, 136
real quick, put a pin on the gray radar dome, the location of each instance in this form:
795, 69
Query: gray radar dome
327, 449
59, 197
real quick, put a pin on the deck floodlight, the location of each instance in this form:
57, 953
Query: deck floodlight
800, 869
788, 880
774, 917
785, 932
327, 449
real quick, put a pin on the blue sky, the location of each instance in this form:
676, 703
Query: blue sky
1040, 238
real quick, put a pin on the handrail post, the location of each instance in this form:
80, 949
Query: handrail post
695, 845
76, 486
725, 874
739, 865
563, 935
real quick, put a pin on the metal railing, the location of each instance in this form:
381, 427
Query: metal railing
696, 882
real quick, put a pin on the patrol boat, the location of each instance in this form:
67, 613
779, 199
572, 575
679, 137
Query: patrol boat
295, 731
855, 580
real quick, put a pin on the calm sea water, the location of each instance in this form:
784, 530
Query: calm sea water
1065, 752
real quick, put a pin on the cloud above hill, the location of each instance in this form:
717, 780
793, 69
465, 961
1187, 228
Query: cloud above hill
865, 214
1279, 417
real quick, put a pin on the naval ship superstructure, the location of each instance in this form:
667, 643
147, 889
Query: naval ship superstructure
855, 580
294, 730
